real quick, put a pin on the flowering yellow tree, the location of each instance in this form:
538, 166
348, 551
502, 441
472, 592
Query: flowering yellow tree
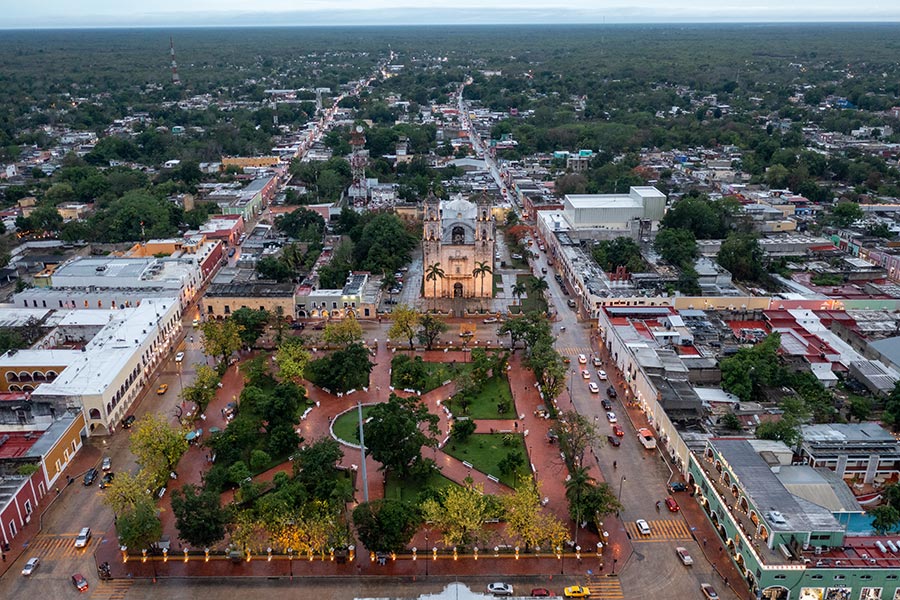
526, 518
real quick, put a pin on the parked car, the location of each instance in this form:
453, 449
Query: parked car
500, 589
611, 392
643, 527
106, 465
576, 591
582, 359
709, 592
611, 417
677, 487
31, 566
128, 422
195, 323
91, 476
606, 404
107, 480
613, 440
179, 357
83, 537
162, 389
684, 556
601, 374
490, 320
672, 505
618, 431
79, 582
541, 593
595, 389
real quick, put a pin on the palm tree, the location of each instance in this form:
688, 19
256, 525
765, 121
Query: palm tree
433, 273
577, 487
519, 290
389, 283
539, 286
482, 269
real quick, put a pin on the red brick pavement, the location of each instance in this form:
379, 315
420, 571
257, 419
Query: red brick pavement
548, 466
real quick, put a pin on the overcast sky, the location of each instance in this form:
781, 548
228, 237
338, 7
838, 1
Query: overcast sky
188, 13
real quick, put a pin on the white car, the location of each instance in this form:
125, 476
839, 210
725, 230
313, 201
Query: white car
582, 359
500, 589
601, 374
179, 357
643, 527
106, 465
595, 389
31, 565
597, 362
586, 374
684, 556
611, 417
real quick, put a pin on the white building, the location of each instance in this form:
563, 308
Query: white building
104, 379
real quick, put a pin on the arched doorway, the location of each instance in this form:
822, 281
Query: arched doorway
457, 290
775, 592
458, 235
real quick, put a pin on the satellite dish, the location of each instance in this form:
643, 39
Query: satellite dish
359, 128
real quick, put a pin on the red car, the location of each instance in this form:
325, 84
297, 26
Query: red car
541, 593
79, 582
671, 504
618, 431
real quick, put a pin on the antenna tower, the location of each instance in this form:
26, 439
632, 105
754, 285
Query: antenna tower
176, 80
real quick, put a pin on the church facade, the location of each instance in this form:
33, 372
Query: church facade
458, 240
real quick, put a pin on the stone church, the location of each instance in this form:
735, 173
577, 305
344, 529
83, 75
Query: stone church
457, 236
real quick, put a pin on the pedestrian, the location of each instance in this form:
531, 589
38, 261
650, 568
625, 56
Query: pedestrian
726, 582
704, 542
615, 465
57, 491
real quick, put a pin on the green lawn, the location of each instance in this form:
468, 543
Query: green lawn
498, 283
528, 303
409, 491
485, 451
484, 405
346, 427
437, 374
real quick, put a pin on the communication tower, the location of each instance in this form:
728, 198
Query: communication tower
176, 80
358, 160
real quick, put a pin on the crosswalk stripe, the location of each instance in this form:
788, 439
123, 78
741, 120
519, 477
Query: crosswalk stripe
111, 590
574, 351
662, 530
605, 588
59, 546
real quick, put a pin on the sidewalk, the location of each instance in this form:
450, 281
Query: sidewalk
87, 457
701, 527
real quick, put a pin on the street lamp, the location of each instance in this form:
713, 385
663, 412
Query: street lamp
621, 482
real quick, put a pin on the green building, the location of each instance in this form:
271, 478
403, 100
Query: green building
785, 526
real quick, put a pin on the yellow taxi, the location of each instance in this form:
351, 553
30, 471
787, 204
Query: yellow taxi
576, 591
162, 389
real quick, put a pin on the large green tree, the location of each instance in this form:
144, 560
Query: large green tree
396, 432
199, 516
386, 525
677, 246
742, 255
252, 323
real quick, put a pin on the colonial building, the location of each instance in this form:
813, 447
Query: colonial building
458, 241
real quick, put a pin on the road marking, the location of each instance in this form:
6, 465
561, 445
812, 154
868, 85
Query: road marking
605, 588
666, 530
574, 350
111, 590
50, 547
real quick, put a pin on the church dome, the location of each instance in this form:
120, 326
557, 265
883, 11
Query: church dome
459, 209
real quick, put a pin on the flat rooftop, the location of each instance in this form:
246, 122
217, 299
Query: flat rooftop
768, 493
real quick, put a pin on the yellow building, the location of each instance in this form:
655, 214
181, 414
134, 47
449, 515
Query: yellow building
250, 161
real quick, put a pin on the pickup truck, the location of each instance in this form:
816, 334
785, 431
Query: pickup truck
646, 438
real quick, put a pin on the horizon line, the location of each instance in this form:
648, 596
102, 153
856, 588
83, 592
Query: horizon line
446, 24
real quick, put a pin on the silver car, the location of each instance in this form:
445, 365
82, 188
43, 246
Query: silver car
30, 567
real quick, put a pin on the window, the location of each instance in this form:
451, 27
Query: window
28, 507
865, 577
227, 309
334, 305
839, 577
816, 577
781, 577
891, 577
